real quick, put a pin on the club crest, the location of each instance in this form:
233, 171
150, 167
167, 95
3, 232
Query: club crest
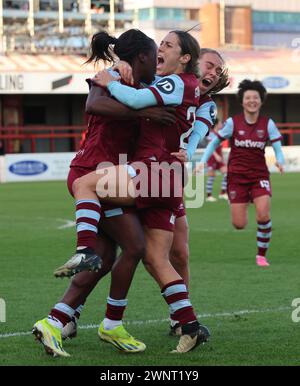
232, 194
260, 133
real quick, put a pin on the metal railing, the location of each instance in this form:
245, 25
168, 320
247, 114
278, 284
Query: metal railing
14, 136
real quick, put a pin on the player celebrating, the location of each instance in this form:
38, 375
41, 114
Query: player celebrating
214, 77
248, 175
106, 139
178, 54
216, 162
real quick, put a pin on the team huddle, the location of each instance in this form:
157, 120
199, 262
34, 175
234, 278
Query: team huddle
148, 113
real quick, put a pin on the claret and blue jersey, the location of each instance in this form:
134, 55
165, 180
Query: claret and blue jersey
182, 92
248, 142
195, 115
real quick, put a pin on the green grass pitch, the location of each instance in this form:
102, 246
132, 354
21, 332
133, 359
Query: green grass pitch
248, 309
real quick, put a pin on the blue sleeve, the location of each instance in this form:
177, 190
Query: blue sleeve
207, 113
278, 152
199, 132
205, 118
212, 146
227, 130
168, 90
129, 96
274, 133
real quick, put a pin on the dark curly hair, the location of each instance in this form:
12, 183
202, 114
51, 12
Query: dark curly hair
255, 85
224, 77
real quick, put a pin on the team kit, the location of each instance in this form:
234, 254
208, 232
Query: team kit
152, 108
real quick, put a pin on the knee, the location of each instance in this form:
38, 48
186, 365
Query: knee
180, 257
263, 217
150, 265
106, 267
239, 225
135, 252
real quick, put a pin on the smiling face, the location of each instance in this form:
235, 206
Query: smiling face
211, 67
169, 58
251, 101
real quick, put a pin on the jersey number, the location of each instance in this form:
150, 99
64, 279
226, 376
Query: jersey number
265, 184
190, 117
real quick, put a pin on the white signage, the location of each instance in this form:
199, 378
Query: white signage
55, 166
44, 83
36, 167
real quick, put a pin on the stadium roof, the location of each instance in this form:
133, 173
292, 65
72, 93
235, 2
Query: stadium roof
38, 74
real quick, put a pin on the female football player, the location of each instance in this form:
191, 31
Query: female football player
106, 139
214, 79
248, 175
178, 55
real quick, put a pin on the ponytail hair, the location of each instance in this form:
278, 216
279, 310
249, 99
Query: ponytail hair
129, 44
101, 47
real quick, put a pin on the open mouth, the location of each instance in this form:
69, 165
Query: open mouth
207, 82
160, 61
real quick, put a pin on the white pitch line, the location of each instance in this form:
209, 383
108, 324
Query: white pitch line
156, 321
68, 223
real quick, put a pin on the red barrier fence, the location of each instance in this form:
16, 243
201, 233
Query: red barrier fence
13, 137
20, 134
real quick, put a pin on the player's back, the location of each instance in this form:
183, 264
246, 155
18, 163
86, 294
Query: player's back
105, 140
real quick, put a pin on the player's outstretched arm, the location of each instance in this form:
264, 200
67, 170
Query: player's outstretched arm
135, 99
212, 146
275, 138
205, 119
198, 134
225, 133
167, 91
279, 156
99, 103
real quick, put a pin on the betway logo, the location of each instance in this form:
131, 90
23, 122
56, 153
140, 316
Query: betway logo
249, 143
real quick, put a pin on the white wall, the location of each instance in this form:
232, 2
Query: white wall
189, 4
